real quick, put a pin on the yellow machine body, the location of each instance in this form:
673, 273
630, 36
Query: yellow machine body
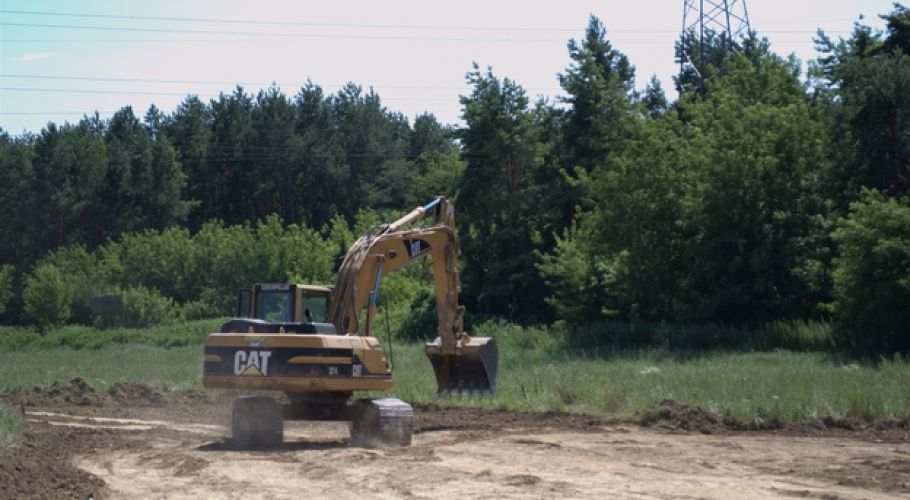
295, 362
310, 338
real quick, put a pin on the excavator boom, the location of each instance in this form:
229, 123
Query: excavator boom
463, 364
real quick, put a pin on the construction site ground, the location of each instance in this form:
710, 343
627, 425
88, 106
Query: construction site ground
132, 441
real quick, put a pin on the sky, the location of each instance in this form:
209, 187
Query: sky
62, 59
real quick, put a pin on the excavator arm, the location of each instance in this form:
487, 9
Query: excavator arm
462, 364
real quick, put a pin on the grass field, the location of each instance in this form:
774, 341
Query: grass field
536, 374
10, 427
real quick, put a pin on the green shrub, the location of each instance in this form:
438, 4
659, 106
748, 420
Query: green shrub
201, 309
47, 296
795, 335
421, 323
82, 271
12, 338
512, 336
872, 275
175, 334
144, 307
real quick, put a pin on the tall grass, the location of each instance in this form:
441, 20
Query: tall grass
85, 337
176, 368
545, 369
788, 386
794, 335
10, 427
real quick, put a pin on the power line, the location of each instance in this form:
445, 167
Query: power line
172, 94
617, 41
93, 91
369, 25
224, 82
310, 36
285, 23
161, 40
129, 80
50, 113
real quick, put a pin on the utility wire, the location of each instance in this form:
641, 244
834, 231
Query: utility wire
284, 23
310, 36
50, 113
225, 82
316, 36
216, 82
371, 25
175, 94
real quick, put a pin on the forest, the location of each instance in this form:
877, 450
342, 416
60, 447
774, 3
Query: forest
759, 196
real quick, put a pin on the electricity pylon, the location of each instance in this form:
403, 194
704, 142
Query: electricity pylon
727, 19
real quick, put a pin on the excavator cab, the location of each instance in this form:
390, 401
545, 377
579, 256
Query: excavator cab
282, 302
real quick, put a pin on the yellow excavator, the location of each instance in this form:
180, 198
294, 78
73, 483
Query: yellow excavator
309, 341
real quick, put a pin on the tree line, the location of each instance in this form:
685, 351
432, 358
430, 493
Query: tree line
754, 197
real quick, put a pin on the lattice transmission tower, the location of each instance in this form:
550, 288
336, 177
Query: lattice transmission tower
727, 19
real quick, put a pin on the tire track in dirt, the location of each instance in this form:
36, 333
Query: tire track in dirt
147, 444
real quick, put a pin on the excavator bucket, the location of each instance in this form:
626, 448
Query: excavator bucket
470, 371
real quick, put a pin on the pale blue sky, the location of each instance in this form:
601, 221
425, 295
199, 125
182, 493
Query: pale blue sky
98, 55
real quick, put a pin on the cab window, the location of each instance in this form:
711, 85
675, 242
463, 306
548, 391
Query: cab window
317, 304
275, 306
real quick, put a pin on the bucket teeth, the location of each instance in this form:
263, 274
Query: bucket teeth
469, 394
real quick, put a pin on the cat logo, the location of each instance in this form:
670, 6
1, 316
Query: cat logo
252, 363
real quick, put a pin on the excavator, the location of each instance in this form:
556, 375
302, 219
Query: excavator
316, 343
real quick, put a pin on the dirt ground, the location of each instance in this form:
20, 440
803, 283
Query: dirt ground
135, 442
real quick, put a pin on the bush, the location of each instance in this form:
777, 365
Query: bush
12, 338
872, 275
201, 309
144, 307
794, 335
421, 323
82, 271
176, 334
47, 296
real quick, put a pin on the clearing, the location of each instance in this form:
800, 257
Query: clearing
133, 441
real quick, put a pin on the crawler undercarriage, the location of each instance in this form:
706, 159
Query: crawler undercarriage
258, 421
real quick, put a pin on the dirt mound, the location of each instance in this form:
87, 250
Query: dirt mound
895, 430
75, 392
133, 393
672, 415
41, 467
669, 414
432, 417
123, 395
902, 423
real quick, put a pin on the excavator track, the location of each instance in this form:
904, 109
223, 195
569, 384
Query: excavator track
256, 422
377, 423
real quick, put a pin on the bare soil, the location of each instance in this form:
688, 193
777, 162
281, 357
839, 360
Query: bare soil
133, 441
